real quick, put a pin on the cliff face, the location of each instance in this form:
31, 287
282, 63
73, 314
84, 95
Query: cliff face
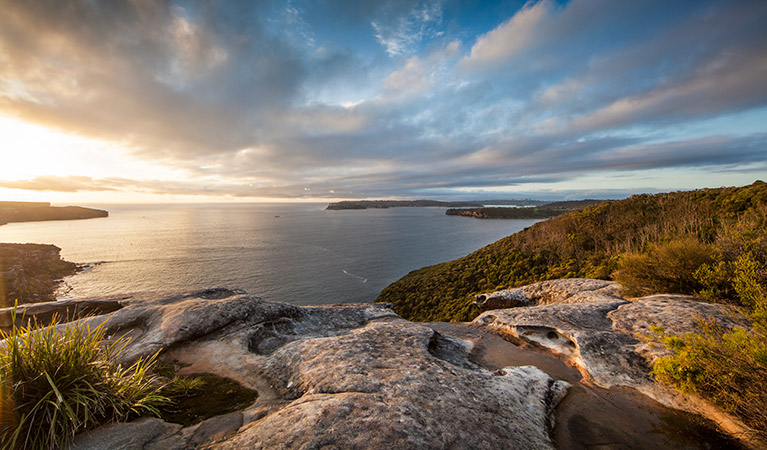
29, 272
33, 212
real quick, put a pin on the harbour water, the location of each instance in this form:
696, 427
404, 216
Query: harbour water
297, 253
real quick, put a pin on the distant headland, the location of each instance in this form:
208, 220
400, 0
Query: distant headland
382, 204
40, 211
539, 212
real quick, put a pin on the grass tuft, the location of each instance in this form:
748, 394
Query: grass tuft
57, 382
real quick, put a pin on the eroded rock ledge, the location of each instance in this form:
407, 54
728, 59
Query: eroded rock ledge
588, 324
342, 376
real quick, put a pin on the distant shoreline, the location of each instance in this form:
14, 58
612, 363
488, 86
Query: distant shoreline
383, 204
43, 211
541, 212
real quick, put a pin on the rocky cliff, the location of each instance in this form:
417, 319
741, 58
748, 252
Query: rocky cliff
30, 272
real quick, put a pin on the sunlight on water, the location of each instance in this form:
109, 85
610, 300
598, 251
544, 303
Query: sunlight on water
299, 254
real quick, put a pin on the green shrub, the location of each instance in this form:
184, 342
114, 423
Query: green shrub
56, 382
667, 267
728, 368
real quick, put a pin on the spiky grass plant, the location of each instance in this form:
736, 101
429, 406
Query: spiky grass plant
58, 381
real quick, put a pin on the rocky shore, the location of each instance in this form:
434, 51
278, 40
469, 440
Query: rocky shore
358, 376
29, 273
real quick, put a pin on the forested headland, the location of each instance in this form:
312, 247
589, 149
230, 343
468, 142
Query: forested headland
688, 242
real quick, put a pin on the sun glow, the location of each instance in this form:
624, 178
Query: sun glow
30, 150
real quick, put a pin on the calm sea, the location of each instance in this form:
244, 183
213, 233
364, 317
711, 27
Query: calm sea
295, 253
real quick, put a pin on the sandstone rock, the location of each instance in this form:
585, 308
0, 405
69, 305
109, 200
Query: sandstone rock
676, 314
65, 310
570, 290
135, 435
341, 376
585, 323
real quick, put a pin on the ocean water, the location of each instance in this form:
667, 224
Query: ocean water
295, 253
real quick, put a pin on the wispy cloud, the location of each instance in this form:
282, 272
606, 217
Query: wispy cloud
400, 32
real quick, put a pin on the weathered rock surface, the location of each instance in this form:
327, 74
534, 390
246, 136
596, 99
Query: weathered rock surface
343, 376
66, 310
588, 325
570, 290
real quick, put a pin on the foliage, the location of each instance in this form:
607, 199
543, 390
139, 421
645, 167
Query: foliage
593, 242
664, 267
728, 367
58, 381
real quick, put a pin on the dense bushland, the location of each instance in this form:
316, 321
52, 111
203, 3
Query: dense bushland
679, 242
729, 367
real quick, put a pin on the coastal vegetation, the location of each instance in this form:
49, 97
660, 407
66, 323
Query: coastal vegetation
56, 382
679, 242
536, 212
728, 367
709, 242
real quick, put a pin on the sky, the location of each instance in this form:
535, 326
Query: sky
150, 100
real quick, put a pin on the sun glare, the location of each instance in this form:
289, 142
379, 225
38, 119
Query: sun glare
31, 150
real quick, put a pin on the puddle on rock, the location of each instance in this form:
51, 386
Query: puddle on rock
593, 418
195, 398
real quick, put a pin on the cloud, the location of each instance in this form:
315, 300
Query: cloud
401, 33
419, 74
512, 37
389, 98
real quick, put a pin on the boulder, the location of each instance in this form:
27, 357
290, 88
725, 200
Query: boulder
338, 376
